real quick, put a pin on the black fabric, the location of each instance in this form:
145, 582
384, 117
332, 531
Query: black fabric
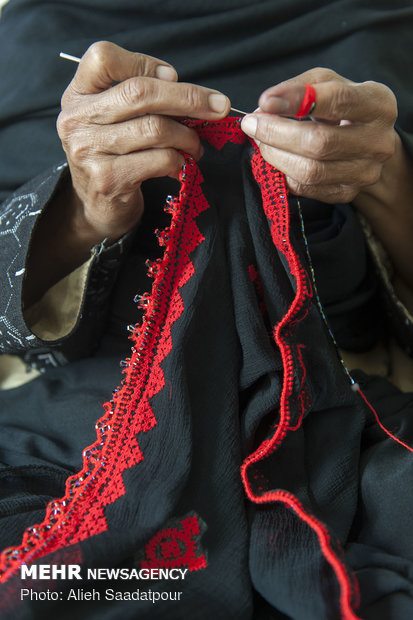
222, 389
346, 279
223, 377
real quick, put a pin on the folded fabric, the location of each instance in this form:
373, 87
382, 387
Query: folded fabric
235, 447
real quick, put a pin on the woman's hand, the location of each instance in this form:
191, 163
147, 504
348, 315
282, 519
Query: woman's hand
340, 154
117, 129
118, 126
351, 153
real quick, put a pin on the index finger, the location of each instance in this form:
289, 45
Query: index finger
337, 99
105, 63
140, 96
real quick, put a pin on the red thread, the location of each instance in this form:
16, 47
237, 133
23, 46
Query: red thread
405, 445
308, 102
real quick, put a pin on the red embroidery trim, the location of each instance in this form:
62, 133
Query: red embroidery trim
175, 547
275, 205
221, 132
80, 513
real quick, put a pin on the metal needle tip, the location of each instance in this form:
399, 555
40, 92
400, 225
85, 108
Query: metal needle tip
69, 57
239, 111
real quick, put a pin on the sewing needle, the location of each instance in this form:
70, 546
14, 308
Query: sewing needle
76, 59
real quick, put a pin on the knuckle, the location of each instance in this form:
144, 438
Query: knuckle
323, 74
387, 148
379, 144
346, 193
320, 142
370, 175
66, 97
101, 177
390, 109
295, 186
193, 97
144, 64
385, 98
172, 160
79, 150
111, 143
152, 126
267, 130
65, 124
135, 90
312, 173
341, 99
99, 53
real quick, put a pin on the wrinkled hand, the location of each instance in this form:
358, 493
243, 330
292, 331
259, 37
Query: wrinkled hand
340, 154
117, 131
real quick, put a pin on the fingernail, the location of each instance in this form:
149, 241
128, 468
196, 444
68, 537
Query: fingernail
166, 73
278, 105
249, 125
218, 103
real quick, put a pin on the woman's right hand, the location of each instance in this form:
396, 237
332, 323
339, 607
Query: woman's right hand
119, 127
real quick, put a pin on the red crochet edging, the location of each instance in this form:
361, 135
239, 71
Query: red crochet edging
80, 513
348, 588
275, 206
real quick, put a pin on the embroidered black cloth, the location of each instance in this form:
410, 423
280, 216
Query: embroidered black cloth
241, 379
232, 365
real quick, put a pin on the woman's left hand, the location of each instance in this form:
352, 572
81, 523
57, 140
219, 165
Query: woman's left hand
343, 151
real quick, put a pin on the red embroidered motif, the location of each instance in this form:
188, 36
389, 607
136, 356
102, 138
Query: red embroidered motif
218, 134
176, 547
